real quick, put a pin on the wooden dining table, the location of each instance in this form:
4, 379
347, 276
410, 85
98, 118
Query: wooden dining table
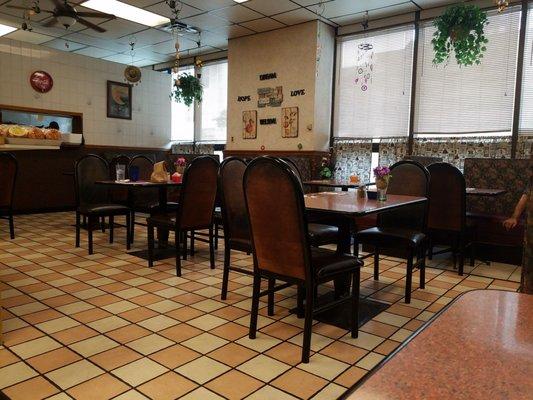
343, 184
478, 347
342, 209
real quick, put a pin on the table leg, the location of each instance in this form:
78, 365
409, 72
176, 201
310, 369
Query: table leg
162, 234
342, 284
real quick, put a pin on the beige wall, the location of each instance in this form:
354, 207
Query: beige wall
80, 86
291, 53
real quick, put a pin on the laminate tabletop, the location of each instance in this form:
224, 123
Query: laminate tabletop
348, 203
129, 183
479, 347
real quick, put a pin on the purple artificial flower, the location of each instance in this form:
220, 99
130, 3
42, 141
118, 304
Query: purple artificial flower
180, 162
382, 172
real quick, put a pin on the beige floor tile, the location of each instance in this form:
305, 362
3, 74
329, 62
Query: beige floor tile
264, 368
57, 325
131, 395
74, 374
209, 305
318, 342
204, 343
158, 323
203, 394
207, 322
94, 345
169, 386
150, 344
108, 324
202, 369
260, 344
370, 361
15, 373
140, 371
164, 306
331, 391
234, 385
270, 393
364, 340
35, 347
323, 366
120, 306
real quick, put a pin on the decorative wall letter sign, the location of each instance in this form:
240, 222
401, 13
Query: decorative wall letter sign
249, 124
268, 121
270, 75
299, 92
244, 98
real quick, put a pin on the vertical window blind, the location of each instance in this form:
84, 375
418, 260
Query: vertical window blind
182, 127
373, 88
451, 99
214, 104
526, 106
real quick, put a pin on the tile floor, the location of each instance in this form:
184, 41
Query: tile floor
107, 327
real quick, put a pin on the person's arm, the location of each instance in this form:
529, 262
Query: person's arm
519, 209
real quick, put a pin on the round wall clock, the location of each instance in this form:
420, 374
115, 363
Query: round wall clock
41, 81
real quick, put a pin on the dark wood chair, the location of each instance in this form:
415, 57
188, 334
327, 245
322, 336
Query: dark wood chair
8, 180
194, 211
405, 228
424, 160
281, 244
447, 212
92, 200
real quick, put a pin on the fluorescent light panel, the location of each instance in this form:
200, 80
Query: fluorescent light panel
126, 11
5, 29
240, 1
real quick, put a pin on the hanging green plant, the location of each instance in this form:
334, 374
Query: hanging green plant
461, 29
187, 89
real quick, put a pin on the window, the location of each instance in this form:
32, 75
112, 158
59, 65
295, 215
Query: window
182, 116
214, 104
373, 90
205, 122
526, 106
476, 99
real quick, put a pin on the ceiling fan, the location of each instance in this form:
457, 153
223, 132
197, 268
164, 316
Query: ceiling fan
66, 15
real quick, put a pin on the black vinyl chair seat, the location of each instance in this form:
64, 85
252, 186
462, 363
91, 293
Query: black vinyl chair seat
103, 209
320, 234
330, 263
383, 237
151, 206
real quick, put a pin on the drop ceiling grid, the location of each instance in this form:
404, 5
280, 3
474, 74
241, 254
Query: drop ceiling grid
219, 21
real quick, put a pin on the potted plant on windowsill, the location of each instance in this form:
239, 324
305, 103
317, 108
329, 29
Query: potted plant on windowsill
461, 30
187, 89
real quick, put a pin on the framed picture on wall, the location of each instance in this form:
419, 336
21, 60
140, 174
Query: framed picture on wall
118, 100
249, 124
289, 122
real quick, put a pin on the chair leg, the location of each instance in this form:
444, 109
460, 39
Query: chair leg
376, 264
11, 225
192, 244
409, 277
271, 284
111, 228
78, 229
472, 254
430, 249
422, 268
90, 225
355, 248
300, 293
185, 245
150, 231
211, 249
177, 241
225, 273
132, 228
356, 278
308, 325
102, 224
216, 235
255, 306
461, 255
128, 231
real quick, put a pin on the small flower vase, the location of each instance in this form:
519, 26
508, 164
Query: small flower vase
382, 185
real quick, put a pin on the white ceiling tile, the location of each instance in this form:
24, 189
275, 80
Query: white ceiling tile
116, 28
236, 13
296, 16
168, 47
205, 21
149, 36
269, 7
433, 3
163, 9
337, 8
139, 3
232, 31
209, 5
214, 40
376, 14
309, 2
44, 4
94, 52
119, 58
95, 41
263, 24
61, 44
29, 37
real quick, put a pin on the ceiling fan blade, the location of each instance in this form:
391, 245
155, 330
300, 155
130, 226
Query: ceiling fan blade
18, 7
96, 15
50, 23
90, 25
58, 3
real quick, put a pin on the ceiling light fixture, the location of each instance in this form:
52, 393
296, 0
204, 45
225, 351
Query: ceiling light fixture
5, 29
240, 1
126, 11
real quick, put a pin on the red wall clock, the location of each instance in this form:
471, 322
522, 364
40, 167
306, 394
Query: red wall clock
41, 81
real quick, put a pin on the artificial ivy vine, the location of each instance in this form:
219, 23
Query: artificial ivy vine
187, 89
461, 29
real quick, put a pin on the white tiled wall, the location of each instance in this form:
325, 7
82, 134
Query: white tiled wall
80, 86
